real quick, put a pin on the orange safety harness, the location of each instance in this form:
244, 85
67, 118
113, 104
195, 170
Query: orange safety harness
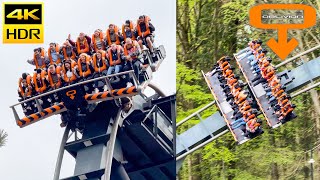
73, 56
57, 49
224, 64
95, 42
147, 32
118, 61
125, 51
42, 79
21, 90
95, 65
88, 71
131, 29
116, 30
65, 77
260, 56
35, 59
52, 84
85, 42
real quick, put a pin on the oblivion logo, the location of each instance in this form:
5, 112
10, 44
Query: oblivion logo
283, 17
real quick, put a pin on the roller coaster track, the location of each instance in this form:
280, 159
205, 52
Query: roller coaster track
109, 153
222, 128
150, 119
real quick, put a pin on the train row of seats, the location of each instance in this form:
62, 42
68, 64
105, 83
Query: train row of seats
88, 58
142, 32
265, 73
245, 113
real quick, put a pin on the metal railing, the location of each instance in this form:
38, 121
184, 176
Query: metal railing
196, 113
155, 110
131, 72
157, 125
105, 78
150, 60
305, 90
201, 145
160, 57
110, 146
297, 56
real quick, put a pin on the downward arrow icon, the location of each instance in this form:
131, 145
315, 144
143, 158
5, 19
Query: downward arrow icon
282, 48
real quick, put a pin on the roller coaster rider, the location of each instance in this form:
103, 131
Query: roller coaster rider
55, 81
100, 66
115, 56
145, 32
82, 44
68, 73
128, 31
98, 41
253, 49
85, 70
40, 85
132, 52
113, 36
25, 92
54, 54
68, 51
40, 59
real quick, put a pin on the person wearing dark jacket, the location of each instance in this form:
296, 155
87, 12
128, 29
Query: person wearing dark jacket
40, 59
128, 31
113, 35
115, 59
68, 51
131, 55
82, 44
25, 92
100, 66
145, 32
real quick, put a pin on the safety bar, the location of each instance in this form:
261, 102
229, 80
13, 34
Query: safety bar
297, 56
154, 66
148, 56
131, 72
29, 119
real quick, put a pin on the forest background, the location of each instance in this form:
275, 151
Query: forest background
210, 29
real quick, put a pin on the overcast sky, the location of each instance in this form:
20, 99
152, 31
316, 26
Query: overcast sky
31, 152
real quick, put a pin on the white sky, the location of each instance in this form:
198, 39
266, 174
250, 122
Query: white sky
31, 152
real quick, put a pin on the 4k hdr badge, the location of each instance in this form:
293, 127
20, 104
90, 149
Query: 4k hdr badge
282, 48
23, 22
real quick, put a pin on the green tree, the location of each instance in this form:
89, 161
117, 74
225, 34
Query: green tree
208, 30
3, 138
